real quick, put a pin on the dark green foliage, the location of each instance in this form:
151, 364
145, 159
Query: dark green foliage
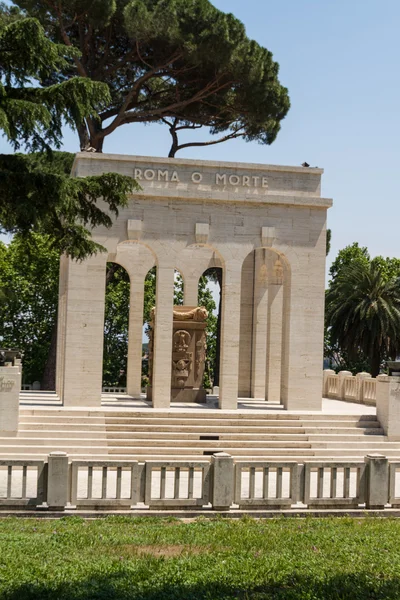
30, 113
29, 295
38, 194
36, 190
183, 63
363, 311
125, 558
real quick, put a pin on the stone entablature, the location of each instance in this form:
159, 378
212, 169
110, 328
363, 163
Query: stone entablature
206, 180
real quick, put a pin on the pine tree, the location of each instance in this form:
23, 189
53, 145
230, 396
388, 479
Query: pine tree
178, 62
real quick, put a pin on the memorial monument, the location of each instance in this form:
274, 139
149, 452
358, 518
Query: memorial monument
263, 225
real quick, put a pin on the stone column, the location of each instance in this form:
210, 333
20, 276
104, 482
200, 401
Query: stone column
191, 291
230, 329
274, 350
162, 348
136, 305
260, 324
61, 322
10, 387
82, 358
246, 326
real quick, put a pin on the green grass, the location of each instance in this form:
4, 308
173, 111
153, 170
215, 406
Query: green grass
121, 558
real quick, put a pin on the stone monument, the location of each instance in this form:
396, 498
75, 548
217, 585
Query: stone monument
263, 226
188, 354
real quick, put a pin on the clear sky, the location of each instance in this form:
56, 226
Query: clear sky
340, 60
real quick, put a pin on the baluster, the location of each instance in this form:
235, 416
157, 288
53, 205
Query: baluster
177, 474
9, 478
346, 483
266, 482
320, 483
191, 482
279, 472
104, 483
162, 482
119, 482
90, 482
24, 472
252, 482
333, 482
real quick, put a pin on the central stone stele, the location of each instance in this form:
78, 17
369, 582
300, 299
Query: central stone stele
188, 354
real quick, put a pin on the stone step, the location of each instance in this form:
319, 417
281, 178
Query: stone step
205, 444
205, 414
202, 429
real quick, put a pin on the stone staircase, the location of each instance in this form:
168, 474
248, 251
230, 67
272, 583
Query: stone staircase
193, 434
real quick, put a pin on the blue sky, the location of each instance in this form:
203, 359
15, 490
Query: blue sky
340, 61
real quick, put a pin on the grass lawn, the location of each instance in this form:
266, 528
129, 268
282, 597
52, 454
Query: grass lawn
125, 558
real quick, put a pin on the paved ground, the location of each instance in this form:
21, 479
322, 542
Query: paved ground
122, 401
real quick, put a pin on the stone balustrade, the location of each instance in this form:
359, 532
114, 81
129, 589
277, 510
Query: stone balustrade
360, 388
221, 484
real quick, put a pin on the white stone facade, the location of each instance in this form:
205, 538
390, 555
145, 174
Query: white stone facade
265, 226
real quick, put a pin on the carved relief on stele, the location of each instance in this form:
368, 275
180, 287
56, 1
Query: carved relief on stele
188, 353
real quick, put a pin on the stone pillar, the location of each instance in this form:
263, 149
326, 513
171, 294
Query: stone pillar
246, 326
222, 491
388, 405
136, 305
360, 385
10, 387
61, 322
377, 481
57, 481
230, 329
303, 335
191, 291
342, 383
81, 360
260, 325
274, 350
325, 386
162, 344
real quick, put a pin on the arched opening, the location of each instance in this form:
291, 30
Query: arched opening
210, 296
265, 280
150, 283
116, 328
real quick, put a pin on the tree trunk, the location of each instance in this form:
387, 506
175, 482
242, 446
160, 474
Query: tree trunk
84, 141
49, 373
375, 363
174, 146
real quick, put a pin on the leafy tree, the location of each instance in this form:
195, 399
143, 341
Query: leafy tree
348, 256
28, 308
36, 190
185, 64
363, 312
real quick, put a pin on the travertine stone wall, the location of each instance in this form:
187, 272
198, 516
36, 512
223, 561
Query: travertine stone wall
191, 215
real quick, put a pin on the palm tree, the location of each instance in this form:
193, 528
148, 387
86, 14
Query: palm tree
363, 313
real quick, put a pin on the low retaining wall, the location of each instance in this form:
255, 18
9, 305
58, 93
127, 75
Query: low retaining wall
59, 484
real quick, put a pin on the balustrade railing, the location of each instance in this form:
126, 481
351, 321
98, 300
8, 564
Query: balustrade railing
360, 388
199, 485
